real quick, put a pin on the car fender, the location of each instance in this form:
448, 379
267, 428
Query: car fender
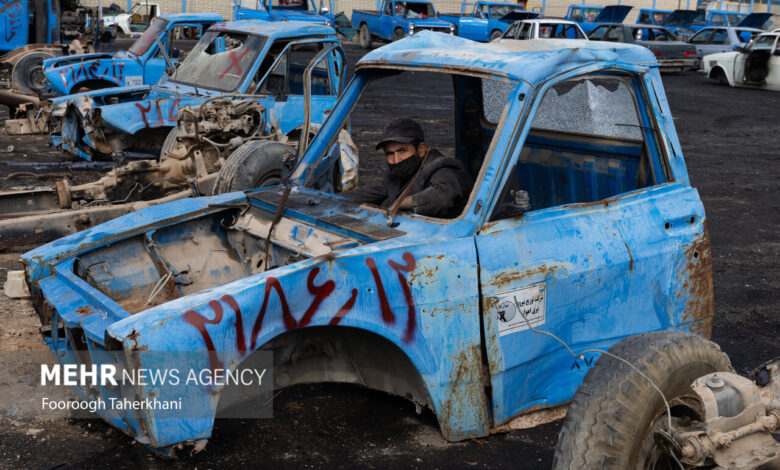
134, 116
425, 305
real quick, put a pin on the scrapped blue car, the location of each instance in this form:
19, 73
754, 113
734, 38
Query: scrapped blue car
235, 57
486, 21
585, 227
142, 64
590, 16
394, 20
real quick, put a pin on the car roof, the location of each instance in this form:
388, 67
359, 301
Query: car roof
735, 28
533, 60
547, 20
772, 33
276, 29
191, 17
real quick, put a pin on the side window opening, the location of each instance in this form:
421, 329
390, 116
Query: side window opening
300, 57
460, 126
586, 143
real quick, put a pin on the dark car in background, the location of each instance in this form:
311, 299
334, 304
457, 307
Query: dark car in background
673, 55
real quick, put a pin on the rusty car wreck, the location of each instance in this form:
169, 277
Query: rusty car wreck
299, 80
583, 231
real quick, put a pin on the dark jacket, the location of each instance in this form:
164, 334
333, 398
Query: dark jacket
441, 188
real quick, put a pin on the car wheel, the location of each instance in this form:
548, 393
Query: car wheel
495, 35
255, 164
365, 37
398, 33
612, 422
28, 74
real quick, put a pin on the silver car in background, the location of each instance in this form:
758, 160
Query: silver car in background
714, 39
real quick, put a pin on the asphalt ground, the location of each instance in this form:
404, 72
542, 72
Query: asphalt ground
730, 142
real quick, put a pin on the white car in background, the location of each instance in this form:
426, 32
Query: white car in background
756, 66
544, 28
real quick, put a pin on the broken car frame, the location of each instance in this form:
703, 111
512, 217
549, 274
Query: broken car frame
196, 149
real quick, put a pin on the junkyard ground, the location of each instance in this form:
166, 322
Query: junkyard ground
730, 141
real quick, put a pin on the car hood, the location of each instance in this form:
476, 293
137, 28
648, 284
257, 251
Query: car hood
720, 57
755, 20
132, 116
612, 14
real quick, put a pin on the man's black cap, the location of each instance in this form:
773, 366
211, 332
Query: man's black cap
403, 130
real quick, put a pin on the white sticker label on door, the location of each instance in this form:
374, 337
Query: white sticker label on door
134, 81
517, 306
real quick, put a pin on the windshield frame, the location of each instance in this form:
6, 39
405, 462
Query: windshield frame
208, 37
150, 31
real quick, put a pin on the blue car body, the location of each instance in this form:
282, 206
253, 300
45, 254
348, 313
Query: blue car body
651, 16
141, 65
480, 24
418, 300
314, 11
584, 15
392, 22
90, 123
16, 17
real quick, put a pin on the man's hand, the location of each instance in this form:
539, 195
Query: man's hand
406, 203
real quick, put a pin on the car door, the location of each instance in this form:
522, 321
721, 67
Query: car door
285, 84
719, 41
586, 237
474, 26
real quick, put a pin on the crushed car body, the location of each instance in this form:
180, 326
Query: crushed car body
232, 58
586, 227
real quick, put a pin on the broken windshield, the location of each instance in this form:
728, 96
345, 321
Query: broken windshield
220, 60
142, 45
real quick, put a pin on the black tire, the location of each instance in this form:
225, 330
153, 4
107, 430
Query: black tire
495, 35
611, 421
28, 74
398, 34
364, 36
255, 164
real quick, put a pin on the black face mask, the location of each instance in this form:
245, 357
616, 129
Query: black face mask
405, 169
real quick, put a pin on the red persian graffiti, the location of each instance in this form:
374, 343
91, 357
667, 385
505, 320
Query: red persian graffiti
320, 293
387, 313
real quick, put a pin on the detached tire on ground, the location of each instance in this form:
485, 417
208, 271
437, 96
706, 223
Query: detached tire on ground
614, 415
364, 36
255, 164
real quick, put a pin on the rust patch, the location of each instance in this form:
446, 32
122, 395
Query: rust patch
510, 277
85, 310
534, 416
696, 275
462, 401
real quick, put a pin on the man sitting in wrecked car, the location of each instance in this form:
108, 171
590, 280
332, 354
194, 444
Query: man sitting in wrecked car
417, 178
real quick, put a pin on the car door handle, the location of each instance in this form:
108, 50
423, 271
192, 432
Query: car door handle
687, 223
